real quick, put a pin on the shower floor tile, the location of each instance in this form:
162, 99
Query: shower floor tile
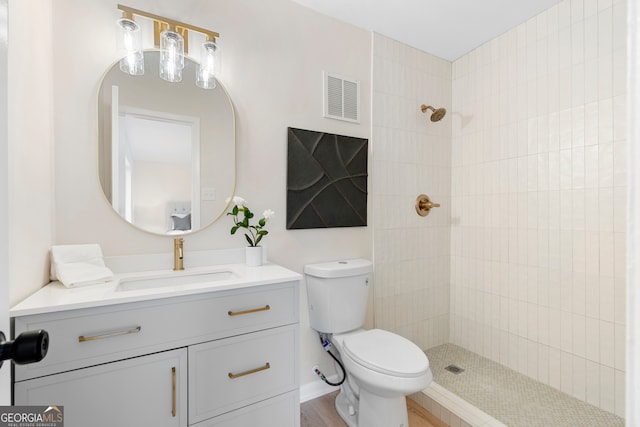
510, 397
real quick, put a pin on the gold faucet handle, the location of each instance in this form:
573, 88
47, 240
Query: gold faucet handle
424, 205
178, 245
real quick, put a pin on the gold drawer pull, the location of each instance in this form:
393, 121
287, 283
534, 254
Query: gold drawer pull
173, 391
82, 338
253, 371
255, 310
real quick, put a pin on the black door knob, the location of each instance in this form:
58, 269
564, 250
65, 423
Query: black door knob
28, 347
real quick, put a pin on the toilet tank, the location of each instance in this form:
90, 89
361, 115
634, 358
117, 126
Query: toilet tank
337, 294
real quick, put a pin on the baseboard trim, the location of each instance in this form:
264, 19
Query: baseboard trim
316, 389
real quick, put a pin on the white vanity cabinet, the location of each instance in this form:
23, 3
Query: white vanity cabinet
212, 358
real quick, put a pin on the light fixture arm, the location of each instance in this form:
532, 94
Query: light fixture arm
160, 23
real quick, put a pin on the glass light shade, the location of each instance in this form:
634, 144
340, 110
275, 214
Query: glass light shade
171, 56
205, 77
130, 47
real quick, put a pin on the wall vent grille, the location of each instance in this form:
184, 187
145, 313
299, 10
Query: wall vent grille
341, 98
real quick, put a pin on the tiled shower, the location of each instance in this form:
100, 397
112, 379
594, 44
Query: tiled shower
411, 155
524, 261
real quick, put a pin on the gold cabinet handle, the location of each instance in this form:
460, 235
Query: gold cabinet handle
135, 330
254, 310
424, 205
173, 391
252, 371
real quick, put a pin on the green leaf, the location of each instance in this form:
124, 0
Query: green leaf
262, 222
249, 240
234, 229
234, 211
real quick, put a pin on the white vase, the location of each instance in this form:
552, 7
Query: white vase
253, 256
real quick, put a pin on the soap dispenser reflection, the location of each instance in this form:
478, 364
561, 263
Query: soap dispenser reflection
178, 254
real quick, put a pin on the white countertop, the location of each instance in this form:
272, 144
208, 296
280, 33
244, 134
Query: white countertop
55, 297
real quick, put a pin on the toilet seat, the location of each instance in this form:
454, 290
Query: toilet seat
386, 353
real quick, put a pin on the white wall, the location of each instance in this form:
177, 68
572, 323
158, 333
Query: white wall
5, 390
411, 155
539, 199
30, 134
273, 55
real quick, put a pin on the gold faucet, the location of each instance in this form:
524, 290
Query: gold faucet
178, 254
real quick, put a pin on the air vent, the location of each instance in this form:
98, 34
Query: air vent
341, 98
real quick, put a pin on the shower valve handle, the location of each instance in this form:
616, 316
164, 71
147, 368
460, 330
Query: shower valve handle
424, 205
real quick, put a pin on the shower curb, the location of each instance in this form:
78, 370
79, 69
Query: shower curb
453, 410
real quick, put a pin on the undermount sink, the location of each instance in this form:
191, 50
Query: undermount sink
174, 279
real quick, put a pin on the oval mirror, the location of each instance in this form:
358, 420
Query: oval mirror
166, 151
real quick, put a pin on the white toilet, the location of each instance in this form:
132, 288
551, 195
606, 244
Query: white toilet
382, 367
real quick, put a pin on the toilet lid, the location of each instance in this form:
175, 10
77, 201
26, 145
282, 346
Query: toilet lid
387, 353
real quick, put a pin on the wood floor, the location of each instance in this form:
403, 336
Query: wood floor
321, 412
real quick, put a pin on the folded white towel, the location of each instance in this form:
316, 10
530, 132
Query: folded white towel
79, 265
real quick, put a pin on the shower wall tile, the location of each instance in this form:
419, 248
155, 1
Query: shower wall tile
592, 383
619, 392
607, 388
411, 155
538, 200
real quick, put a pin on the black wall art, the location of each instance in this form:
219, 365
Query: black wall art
326, 180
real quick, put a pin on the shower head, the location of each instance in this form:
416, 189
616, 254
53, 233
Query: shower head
437, 114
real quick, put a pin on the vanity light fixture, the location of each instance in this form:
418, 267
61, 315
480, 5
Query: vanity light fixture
171, 56
172, 38
130, 45
206, 77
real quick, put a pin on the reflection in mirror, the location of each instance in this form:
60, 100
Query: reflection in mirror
166, 151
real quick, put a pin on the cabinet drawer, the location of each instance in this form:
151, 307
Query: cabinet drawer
280, 411
86, 337
227, 374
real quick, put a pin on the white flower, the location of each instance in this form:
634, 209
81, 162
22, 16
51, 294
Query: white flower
237, 201
268, 214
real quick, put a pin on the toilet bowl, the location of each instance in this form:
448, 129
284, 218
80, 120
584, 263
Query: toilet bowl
384, 362
382, 368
